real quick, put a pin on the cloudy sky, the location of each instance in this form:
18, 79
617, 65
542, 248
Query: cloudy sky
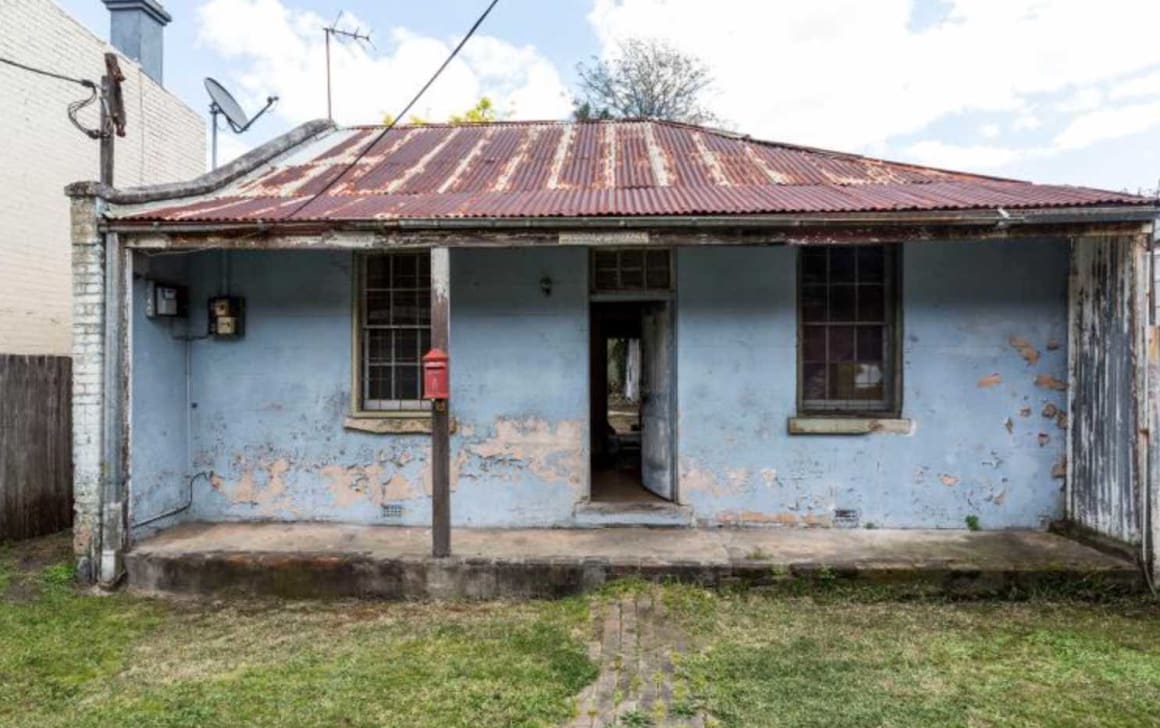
1049, 90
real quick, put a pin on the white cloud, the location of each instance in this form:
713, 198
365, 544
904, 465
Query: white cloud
1109, 124
852, 74
1026, 121
280, 51
1146, 85
990, 131
1084, 99
953, 156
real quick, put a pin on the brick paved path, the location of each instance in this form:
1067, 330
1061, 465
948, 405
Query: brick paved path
637, 686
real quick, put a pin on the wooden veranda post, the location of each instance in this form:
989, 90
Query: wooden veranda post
440, 415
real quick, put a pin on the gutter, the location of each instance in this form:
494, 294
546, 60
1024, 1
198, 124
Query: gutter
989, 217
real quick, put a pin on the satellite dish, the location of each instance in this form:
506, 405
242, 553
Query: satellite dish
227, 105
223, 102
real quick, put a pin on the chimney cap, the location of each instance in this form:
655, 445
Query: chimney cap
152, 8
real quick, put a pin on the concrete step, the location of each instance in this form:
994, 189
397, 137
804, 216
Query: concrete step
313, 560
590, 514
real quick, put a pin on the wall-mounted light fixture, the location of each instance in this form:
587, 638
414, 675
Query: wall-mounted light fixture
546, 285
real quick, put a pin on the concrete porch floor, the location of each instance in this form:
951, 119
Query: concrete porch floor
336, 560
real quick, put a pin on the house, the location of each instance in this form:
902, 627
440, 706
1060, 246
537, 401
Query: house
164, 142
826, 340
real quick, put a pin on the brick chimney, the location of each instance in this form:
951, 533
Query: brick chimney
137, 29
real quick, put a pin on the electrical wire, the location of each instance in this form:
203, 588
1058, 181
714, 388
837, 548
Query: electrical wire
350, 165
74, 107
50, 74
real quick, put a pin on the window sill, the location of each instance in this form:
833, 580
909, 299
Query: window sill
849, 425
418, 423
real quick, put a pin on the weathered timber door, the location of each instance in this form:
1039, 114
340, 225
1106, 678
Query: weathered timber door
656, 409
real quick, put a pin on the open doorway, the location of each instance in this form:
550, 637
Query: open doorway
630, 390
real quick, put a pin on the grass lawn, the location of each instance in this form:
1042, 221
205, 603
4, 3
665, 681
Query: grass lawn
68, 659
833, 660
824, 658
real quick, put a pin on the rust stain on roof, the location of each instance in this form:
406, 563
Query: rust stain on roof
592, 169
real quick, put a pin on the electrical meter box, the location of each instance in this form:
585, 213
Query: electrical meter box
227, 317
163, 300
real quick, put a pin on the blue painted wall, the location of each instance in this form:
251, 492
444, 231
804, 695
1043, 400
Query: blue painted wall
268, 410
159, 442
963, 303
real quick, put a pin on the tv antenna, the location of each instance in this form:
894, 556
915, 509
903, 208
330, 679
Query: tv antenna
354, 35
223, 102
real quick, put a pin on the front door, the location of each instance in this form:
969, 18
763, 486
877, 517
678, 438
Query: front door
656, 408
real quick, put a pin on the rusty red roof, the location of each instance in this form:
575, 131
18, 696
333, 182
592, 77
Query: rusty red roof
590, 169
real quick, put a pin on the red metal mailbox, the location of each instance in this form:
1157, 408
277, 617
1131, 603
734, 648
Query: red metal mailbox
436, 384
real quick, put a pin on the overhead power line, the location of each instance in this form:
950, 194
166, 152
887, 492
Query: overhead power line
50, 74
475, 26
74, 107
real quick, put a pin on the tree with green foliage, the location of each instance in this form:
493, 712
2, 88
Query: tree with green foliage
483, 111
647, 79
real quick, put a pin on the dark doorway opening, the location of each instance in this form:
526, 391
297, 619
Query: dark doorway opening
629, 390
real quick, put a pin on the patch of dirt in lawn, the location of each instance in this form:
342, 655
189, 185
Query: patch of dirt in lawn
21, 564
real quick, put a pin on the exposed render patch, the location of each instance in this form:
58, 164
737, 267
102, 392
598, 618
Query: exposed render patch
990, 380
552, 452
269, 498
948, 480
1046, 381
1029, 353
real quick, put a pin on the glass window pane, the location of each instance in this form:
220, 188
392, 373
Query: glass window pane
871, 263
814, 343
814, 381
407, 382
407, 346
405, 308
871, 303
632, 279
841, 343
842, 264
378, 307
842, 303
813, 262
842, 377
378, 268
405, 271
813, 303
869, 383
378, 346
657, 269
378, 383
870, 344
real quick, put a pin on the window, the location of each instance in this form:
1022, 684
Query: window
631, 269
847, 309
394, 330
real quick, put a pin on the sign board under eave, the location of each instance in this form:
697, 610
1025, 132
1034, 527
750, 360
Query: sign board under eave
605, 238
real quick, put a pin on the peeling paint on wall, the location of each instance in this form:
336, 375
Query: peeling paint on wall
1029, 353
552, 451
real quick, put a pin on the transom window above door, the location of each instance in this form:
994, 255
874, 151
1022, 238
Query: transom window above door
620, 270
848, 313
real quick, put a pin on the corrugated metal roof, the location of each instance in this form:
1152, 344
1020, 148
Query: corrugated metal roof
590, 169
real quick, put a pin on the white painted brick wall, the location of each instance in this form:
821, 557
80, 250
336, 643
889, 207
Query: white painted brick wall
88, 264
41, 152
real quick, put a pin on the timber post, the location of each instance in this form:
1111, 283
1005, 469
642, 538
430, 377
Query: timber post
440, 415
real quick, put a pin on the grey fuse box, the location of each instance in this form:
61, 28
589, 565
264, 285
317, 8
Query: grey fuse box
164, 300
